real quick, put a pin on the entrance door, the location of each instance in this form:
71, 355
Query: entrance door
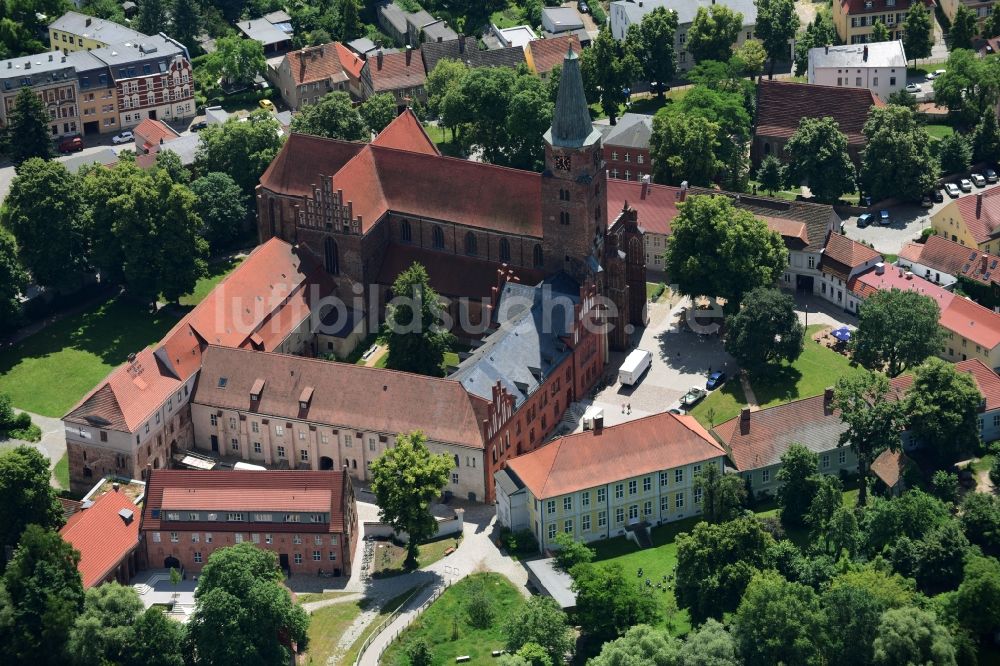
215, 443
283, 562
325, 463
171, 563
152, 114
92, 127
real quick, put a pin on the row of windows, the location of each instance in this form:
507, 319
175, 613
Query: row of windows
625, 175
196, 537
633, 514
239, 516
628, 157
633, 489
471, 242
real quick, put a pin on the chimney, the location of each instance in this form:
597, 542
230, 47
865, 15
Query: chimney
880, 268
744, 420
645, 187
979, 205
864, 55
378, 57
87, 22
983, 263
115, 486
409, 52
599, 424
826, 49
302, 68
828, 400
684, 190
461, 43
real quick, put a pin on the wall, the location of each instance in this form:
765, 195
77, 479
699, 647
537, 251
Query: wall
948, 222
882, 81
837, 458
945, 280
626, 163
445, 527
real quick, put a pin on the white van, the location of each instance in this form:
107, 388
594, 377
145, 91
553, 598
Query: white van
635, 364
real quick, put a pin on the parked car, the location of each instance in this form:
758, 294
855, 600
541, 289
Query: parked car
864, 220
978, 180
925, 202
73, 144
965, 185
937, 196
582, 7
676, 411
933, 75
692, 397
883, 217
267, 105
991, 176
952, 190
715, 380
913, 88
200, 125
124, 137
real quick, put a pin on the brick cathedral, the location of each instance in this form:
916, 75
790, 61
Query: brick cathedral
368, 211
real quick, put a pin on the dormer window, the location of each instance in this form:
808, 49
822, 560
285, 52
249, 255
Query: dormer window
305, 397
223, 381
256, 389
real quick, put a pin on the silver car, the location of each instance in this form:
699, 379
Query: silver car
965, 184
978, 180
952, 190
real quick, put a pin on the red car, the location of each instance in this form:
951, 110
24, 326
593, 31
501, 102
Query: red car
71, 145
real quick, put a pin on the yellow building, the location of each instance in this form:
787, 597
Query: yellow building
78, 32
972, 220
854, 19
607, 482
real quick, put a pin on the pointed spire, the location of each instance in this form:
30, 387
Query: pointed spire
571, 124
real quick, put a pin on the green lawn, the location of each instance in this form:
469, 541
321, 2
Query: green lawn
216, 272
439, 135
384, 612
939, 131
307, 597
721, 405
445, 627
508, 18
61, 472
787, 195
327, 625
653, 287
389, 558
51, 370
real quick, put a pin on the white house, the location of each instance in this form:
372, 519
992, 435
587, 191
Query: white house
878, 66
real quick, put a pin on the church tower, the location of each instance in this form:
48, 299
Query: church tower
574, 219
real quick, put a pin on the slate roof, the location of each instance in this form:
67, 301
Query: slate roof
545, 54
247, 491
596, 458
563, 18
352, 396
761, 439
782, 104
632, 131
102, 535
394, 71
947, 256
98, 29
841, 255
571, 125
467, 51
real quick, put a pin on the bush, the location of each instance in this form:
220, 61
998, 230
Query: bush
597, 12
479, 607
571, 552
945, 486
926, 233
522, 542
995, 472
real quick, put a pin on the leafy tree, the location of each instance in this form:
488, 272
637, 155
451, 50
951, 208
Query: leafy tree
777, 622
170, 162
897, 330
771, 174
571, 552
26, 496
943, 406
749, 58
912, 636
406, 506
334, 116
904, 99
417, 341
530, 115
873, 421
378, 110
533, 654
797, 481
918, 32
444, 92
897, 161
969, 86
542, 622
975, 601
152, 17
941, 558
880, 32
156, 641
713, 33
639, 646
243, 614
651, 42
954, 153
239, 60
609, 603
709, 645
716, 562
818, 33
182, 249
964, 28
852, 617
726, 109
479, 605
684, 148
186, 22
818, 156
419, 653
776, 26
991, 26
222, 207
980, 517
986, 138
44, 210
102, 631
351, 26
842, 533
765, 331
827, 498
722, 495
945, 486
716, 249
243, 150
42, 595
13, 280
27, 132
608, 70
912, 515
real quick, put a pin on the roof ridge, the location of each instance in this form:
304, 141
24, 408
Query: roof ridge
458, 160
548, 474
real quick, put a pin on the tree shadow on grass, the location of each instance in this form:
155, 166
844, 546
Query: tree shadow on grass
778, 383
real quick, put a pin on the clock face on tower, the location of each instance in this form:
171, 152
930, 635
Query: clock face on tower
563, 162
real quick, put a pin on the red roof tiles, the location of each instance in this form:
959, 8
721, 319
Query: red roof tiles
889, 467
986, 379
103, 537
151, 133
981, 214
350, 61
406, 133
595, 458
396, 71
946, 256
841, 256
547, 53
656, 205
781, 104
317, 64
303, 159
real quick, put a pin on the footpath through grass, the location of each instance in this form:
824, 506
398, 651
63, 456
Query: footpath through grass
445, 624
327, 625
387, 609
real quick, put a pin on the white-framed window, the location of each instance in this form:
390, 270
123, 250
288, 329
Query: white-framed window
633, 487
679, 501
279, 430
302, 434
334, 540
254, 426
298, 558
567, 503
156, 537
663, 479
697, 495
602, 495
268, 539
197, 557
281, 452
585, 498
238, 537
602, 518
194, 537
255, 538
454, 477
633, 511
678, 476
568, 526
208, 537
333, 556
550, 506
842, 456
619, 490
297, 539
765, 476
237, 517
619, 516
585, 522
317, 540
552, 530
647, 484
664, 503
824, 461
647, 508
304, 455
234, 444
317, 556
256, 447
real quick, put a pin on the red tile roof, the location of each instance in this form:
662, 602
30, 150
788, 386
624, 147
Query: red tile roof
303, 160
795, 234
889, 467
781, 104
152, 132
986, 379
656, 205
980, 212
595, 458
370, 399
841, 255
855, 7
547, 53
765, 436
103, 537
316, 64
946, 256
350, 61
246, 491
406, 133
395, 71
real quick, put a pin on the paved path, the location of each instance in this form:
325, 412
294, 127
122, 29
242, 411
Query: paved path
312, 606
52, 444
748, 393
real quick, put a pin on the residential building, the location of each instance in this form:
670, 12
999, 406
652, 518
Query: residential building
412, 28
854, 19
972, 220
150, 135
467, 51
53, 79
598, 484
945, 262
626, 13
399, 73
543, 55
79, 32
274, 31
842, 260
105, 530
518, 35
152, 79
626, 147
305, 76
781, 105
308, 519
98, 98
755, 441
557, 20
656, 206
981, 8
878, 66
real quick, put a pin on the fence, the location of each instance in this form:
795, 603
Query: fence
389, 620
